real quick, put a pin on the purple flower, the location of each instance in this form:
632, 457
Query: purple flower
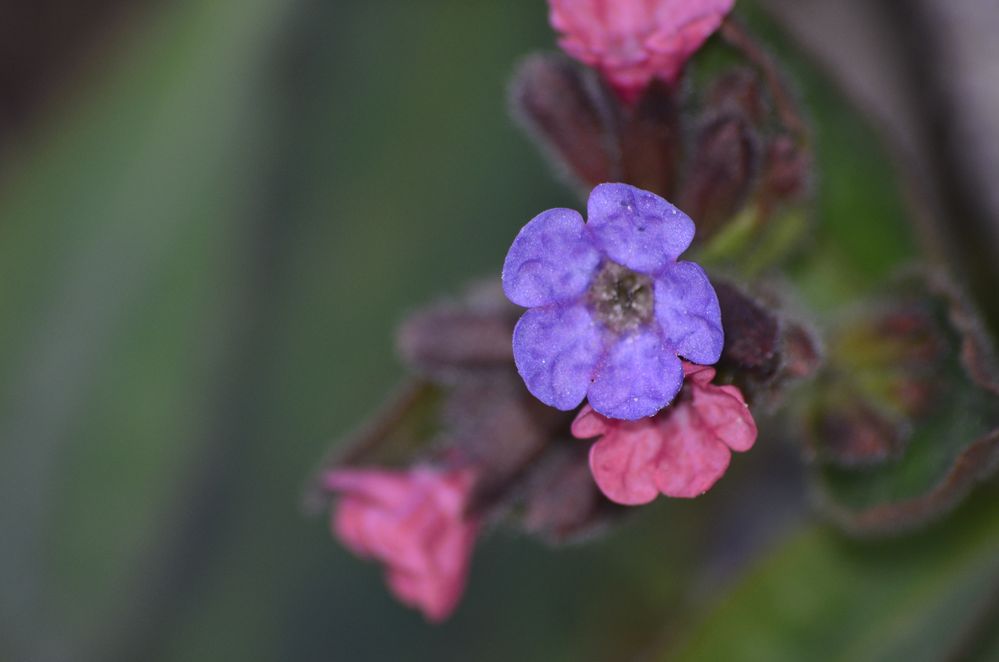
611, 308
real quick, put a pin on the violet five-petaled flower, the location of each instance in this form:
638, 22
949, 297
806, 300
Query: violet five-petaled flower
414, 522
611, 308
633, 41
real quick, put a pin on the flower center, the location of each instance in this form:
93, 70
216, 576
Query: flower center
621, 298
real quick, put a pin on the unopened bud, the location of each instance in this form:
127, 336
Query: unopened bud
569, 110
738, 90
447, 341
751, 331
854, 435
650, 141
561, 501
722, 171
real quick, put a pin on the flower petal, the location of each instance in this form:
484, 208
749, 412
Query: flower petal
683, 28
419, 531
552, 260
723, 411
555, 350
437, 589
372, 486
638, 377
691, 459
588, 424
688, 312
633, 41
623, 464
348, 523
681, 452
694, 373
636, 228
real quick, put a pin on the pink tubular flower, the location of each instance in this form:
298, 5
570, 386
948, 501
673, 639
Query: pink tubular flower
414, 522
680, 452
633, 41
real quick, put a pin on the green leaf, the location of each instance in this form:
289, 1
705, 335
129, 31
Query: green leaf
821, 597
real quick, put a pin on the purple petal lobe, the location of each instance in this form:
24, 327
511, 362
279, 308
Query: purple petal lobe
687, 310
638, 377
550, 261
636, 228
555, 350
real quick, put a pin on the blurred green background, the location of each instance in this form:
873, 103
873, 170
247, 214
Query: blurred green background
207, 235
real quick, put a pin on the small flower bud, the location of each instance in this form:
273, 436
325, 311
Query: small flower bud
561, 501
751, 331
447, 341
569, 110
800, 352
722, 171
886, 378
854, 435
764, 351
499, 430
651, 141
910, 378
786, 172
738, 90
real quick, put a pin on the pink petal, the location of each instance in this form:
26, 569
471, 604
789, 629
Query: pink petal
699, 374
413, 522
348, 526
691, 23
624, 461
407, 587
723, 411
373, 484
435, 599
681, 452
692, 459
588, 424
634, 41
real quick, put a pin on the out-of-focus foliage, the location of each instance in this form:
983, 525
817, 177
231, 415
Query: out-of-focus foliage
121, 250
932, 596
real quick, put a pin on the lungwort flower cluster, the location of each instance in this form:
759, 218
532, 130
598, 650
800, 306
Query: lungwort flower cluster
611, 308
615, 318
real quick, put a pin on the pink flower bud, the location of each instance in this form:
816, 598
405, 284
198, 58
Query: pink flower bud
634, 41
680, 452
414, 522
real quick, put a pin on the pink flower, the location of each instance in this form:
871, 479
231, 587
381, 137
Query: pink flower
633, 41
414, 522
680, 452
